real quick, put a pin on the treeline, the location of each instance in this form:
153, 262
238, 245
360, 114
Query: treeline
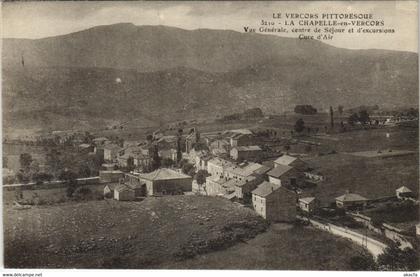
305, 109
247, 114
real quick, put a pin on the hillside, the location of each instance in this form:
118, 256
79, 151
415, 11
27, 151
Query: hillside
169, 73
113, 234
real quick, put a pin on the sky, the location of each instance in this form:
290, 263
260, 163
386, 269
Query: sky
43, 19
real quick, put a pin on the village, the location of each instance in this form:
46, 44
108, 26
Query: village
256, 168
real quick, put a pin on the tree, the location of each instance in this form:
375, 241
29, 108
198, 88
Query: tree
188, 168
178, 146
201, 177
364, 262
167, 162
353, 119
340, 109
25, 160
393, 258
154, 151
299, 125
130, 163
84, 171
364, 116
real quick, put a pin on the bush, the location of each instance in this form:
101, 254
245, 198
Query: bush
363, 262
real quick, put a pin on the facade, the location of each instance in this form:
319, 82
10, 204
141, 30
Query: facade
85, 148
165, 181
109, 190
252, 153
241, 140
351, 201
123, 193
111, 152
284, 175
314, 176
308, 204
108, 176
218, 166
274, 202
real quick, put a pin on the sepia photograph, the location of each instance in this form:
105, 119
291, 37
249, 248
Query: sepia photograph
218, 135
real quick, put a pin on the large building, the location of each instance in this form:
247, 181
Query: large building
287, 160
274, 202
251, 153
111, 152
216, 167
165, 181
351, 201
284, 175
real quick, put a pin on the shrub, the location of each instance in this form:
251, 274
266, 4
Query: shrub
364, 262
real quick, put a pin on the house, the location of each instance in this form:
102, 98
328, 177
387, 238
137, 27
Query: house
108, 176
217, 166
314, 176
109, 166
243, 170
109, 190
100, 141
239, 139
218, 186
284, 175
350, 201
165, 181
274, 202
85, 148
244, 188
290, 161
219, 147
123, 193
308, 204
111, 152
253, 152
404, 192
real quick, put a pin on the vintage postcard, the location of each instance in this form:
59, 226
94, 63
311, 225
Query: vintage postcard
210, 135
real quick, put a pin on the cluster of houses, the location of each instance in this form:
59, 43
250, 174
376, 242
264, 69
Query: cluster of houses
236, 168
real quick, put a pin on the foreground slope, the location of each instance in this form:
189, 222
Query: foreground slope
111, 234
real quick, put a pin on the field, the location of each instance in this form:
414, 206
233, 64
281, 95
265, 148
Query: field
112, 234
281, 247
369, 177
48, 196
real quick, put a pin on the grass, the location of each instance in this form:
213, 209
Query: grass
281, 248
47, 196
112, 234
369, 177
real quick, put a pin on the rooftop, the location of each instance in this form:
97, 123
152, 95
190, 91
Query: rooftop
307, 200
279, 170
245, 170
351, 197
403, 189
285, 160
248, 148
164, 174
265, 189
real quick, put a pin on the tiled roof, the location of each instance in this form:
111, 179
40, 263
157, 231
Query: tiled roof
285, 160
265, 188
307, 200
164, 174
350, 197
403, 189
279, 170
248, 148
